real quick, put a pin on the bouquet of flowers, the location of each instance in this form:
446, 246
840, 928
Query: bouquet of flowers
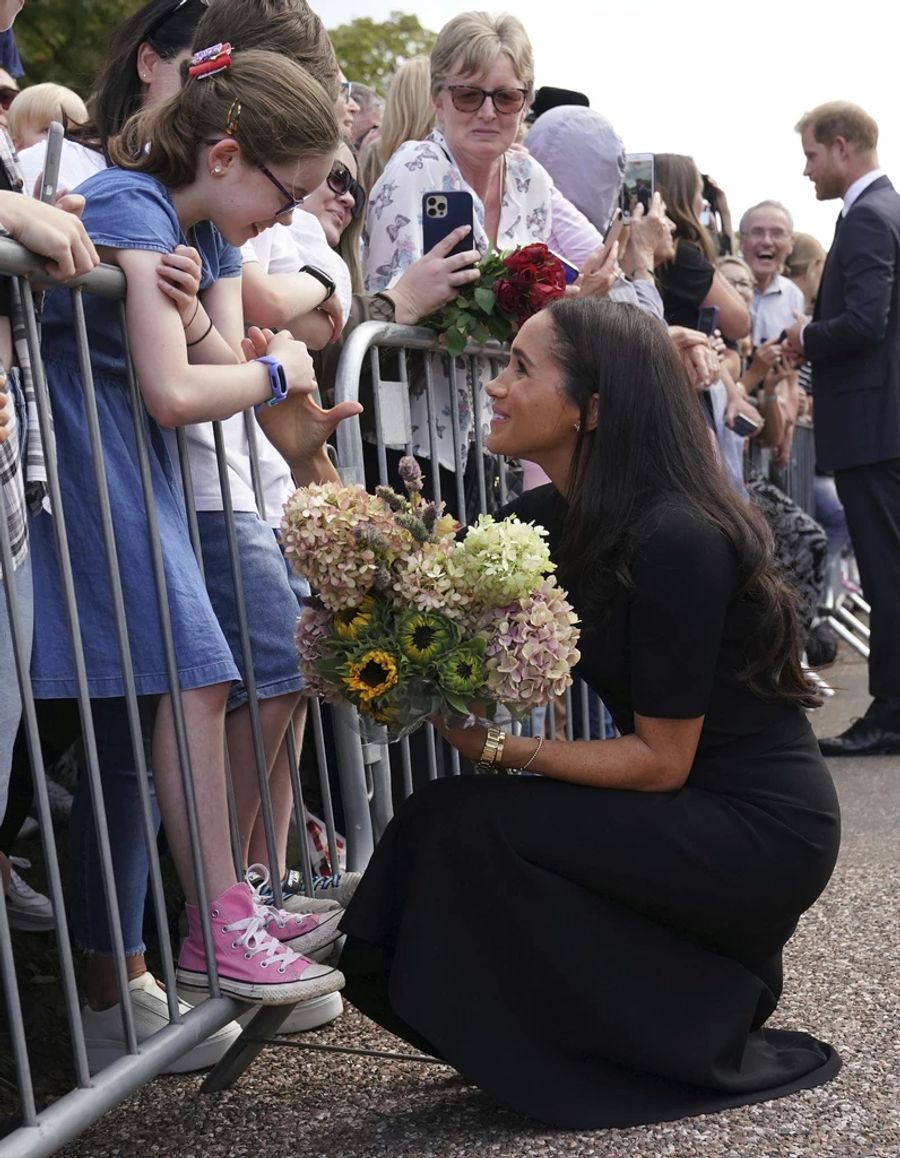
410, 622
512, 287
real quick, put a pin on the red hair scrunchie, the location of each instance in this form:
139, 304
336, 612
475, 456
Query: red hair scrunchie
209, 61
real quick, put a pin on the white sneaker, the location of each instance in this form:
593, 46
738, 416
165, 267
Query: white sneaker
104, 1036
312, 1014
26, 908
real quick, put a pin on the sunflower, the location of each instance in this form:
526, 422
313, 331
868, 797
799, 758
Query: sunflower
462, 672
351, 622
424, 635
373, 675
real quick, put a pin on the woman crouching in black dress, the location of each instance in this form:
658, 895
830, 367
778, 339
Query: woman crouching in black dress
600, 944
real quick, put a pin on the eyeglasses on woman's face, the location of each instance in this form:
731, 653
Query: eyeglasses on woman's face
340, 181
468, 98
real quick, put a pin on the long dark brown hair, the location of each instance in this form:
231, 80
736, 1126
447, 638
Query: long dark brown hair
651, 446
119, 93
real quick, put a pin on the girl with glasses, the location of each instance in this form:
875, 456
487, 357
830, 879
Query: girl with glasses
264, 111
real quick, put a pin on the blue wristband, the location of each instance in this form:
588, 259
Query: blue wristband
277, 380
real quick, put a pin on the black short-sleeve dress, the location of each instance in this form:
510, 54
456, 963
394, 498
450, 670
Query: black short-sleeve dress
598, 957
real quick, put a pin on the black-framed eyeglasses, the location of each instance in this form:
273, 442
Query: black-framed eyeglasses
468, 98
291, 202
7, 95
340, 180
167, 16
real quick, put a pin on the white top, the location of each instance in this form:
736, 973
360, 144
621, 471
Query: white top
857, 187
775, 309
76, 164
284, 249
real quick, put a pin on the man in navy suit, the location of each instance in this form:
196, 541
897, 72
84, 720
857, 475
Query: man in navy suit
853, 345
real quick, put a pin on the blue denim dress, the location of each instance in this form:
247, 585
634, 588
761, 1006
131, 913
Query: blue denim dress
124, 210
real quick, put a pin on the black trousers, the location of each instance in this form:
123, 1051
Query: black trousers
871, 498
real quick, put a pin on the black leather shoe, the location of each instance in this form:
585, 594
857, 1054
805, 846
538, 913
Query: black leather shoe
864, 737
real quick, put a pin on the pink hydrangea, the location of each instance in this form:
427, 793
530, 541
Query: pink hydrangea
531, 648
313, 633
321, 531
429, 580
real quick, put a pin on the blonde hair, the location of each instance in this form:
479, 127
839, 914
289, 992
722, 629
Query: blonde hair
408, 116
806, 251
733, 259
35, 107
841, 119
472, 42
277, 111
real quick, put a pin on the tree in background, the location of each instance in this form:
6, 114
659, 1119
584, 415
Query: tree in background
66, 42
370, 51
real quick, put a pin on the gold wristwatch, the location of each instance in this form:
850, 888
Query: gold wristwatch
492, 752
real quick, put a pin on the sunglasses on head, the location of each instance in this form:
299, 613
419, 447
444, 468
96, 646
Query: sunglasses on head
7, 95
340, 181
167, 16
468, 98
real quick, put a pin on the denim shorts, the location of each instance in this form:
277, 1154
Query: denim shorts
272, 596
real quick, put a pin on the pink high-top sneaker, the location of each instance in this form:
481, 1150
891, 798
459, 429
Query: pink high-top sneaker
252, 965
304, 932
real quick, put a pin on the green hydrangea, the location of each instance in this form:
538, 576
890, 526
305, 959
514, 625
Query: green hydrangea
502, 561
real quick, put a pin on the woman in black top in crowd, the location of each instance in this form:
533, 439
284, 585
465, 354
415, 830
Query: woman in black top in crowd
690, 280
621, 952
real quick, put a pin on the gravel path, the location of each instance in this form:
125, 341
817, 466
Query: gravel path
842, 982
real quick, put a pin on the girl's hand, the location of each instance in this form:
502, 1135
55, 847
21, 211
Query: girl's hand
298, 427
179, 276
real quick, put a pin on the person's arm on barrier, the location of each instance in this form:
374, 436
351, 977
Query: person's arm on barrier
175, 390
53, 232
213, 324
299, 428
291, 301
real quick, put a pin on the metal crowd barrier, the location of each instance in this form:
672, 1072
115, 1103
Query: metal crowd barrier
797, 479
26, 1127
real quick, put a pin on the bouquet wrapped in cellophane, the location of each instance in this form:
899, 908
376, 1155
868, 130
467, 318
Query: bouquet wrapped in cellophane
411, 622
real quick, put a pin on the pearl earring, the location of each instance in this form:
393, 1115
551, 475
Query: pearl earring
217, 168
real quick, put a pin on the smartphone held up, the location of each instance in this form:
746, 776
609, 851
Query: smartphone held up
444, 211
638, 183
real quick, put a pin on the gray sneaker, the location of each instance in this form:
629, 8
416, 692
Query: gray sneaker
25, 907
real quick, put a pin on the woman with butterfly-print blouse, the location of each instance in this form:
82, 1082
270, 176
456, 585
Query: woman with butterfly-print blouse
482, 74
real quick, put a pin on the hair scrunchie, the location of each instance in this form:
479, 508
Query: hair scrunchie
209, 61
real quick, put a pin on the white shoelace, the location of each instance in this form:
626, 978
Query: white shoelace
255, 939
16, 884
257, 877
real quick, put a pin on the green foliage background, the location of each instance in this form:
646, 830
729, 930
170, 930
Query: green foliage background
65, 41
370, 51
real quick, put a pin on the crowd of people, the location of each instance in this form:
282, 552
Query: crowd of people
261, 205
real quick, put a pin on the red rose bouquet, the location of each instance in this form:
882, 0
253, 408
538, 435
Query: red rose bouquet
512, 287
